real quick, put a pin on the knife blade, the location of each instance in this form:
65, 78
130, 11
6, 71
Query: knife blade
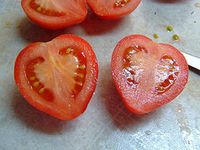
192, 61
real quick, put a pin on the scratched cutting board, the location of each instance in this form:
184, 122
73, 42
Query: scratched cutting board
106, 125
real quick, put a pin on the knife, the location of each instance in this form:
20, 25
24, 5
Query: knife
192, 61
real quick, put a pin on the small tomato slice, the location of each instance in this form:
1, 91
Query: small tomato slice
113, 9
55, 14
146, 74
57, 77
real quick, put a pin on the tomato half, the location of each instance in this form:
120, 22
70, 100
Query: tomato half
55, 14
113, 9
57, 77
146, 74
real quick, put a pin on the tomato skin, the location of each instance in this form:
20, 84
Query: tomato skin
82, 99
54, 23
106, 11
138, 100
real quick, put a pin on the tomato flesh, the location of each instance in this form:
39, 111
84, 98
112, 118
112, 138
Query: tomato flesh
55, 14
45, 9
113, 9
54, 77
146, 74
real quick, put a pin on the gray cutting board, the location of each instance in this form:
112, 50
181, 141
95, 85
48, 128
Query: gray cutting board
106, 125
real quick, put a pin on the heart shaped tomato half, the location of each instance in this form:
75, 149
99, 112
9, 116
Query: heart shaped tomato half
146, 74
57, 77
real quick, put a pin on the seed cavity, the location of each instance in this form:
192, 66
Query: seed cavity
132, 67
42, 7
166, 74
156, 36
175, 37
131, 51
39, 9
73, 55
121, 3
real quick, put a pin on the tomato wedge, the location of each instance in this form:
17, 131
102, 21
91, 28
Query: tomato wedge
113, 9
55, 14
57, 77
146, 74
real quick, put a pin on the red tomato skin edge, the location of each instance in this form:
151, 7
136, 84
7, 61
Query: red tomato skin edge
114, 17
131, 109
39, 106
49, 26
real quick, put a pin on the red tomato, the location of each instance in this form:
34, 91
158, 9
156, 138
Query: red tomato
113, 9
146, 74
55, 14
57, 77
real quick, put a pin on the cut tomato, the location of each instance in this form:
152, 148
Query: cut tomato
58, 77
113, 9
146, 74
55, 14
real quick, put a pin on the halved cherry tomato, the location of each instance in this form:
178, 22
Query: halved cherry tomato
146, 74
57, 77
113, 9
55, 14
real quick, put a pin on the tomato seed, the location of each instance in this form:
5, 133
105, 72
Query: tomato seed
82, 67
69, 50
41, 90
160, 88
79, 74
44, 10
36, 84
32, 78
169, 68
